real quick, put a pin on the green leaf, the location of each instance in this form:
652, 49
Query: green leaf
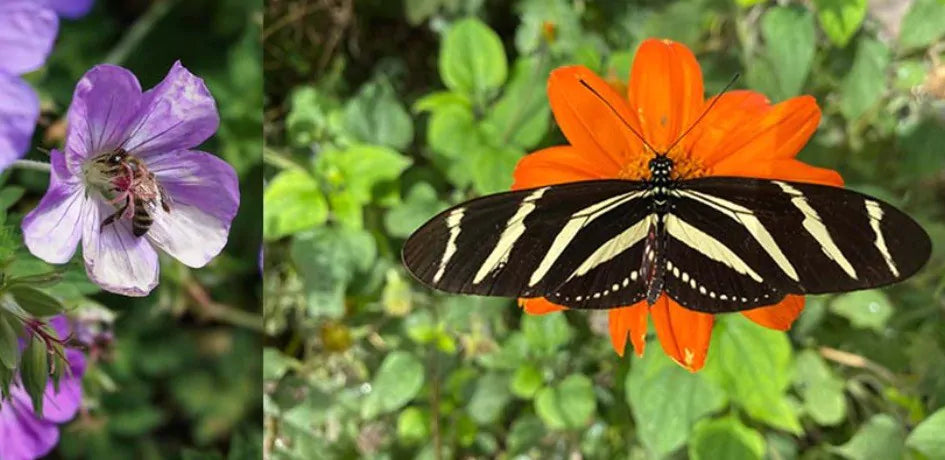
276, 364
920, 144
753, 364
472, 59
526, 381
34, 371
865, 309
375, 116
291, 203
492, 169
820, 389
419, 206
922, 25
310, 117
570, 404
396, 382
34, 301
327, 258
413, 425
489, 398
521, 116
8, 347
881, 437
546, 333
725, 438
396, 297
664, 419
439, 100
865, 84
840, 19
928, 437
358, 168
789, 52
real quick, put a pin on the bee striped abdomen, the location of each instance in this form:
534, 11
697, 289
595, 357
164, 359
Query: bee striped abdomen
142, 220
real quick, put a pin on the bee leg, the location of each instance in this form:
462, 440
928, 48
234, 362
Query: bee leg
165, 199
111, 219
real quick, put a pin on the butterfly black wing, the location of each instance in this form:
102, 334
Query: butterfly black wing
577, 244
754, 241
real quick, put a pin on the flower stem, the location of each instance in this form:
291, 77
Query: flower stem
32, 165
139, 30
222, 312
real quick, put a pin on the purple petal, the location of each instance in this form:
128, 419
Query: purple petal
104, 110
60, 406
19, 110
52, 230
115, 259
179, 113
71, 9
205, 196
23, 436
27, 32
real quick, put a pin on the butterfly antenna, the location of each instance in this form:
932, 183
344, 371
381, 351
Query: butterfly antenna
704, 112
614, 109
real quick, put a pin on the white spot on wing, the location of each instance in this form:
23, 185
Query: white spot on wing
876, 216
514, 229
452, 223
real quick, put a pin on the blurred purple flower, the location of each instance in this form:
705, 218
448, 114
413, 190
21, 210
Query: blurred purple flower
27, 32
129, 161
25, 435
71, 9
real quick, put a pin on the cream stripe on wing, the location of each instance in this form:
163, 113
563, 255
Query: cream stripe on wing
577, 221
708, 246
876, 215
817, 229
452, 223
747, 219
514, 229
615, 246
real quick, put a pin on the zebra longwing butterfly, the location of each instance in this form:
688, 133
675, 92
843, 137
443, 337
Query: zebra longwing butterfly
713, 244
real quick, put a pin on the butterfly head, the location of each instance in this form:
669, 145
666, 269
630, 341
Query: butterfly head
661, 169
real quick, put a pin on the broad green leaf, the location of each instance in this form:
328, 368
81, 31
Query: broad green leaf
8, 346
920, 144
664, 419
725, 438
923, 24
34, 371
327, 259
521, 116
396, 382
820, 389
438, 100
546, 333
359, 168
526, 381
276, 364
419, 206
679, 21
865, 309
865, 84
525, 433
747, 3
538, 17
753, 364
34, 301
569, 404
929, 436
472, 59
375, 116
489, 398
452, 132
310, 117
840, 19
789, 38
292, 202
492, 169
881, 437
413, 425
396, 296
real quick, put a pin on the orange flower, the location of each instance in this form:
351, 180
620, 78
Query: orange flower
743, 135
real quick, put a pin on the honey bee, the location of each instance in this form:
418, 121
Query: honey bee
135, 187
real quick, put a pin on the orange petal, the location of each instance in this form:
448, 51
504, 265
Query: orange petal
628, 321
779, 316
588, 122
539, 306
666, 90
557, 165
731, 112
684, 334
787, 169
780, 133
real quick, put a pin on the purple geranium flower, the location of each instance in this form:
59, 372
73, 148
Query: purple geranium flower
71, 9
129, 181
27, 32
25, 435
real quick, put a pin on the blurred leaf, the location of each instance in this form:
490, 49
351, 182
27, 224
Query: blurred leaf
413, 425
881, 437
358, 168
865, 309
419, 206
865, 85
526, 381
747, 3
923, 24
820, 388
276, 364
34, 301
929, 436
375, 116
840, 19
492, 169
489, 398
327, 258
396, 296
753, 364
291, 203
9, 351
680, 21
34, 371
546, 333
526, 432
439, 100
569, 404
472, 59
396, 382
920, 144
664, 419
310, 118
788, 34
522, 114
725, 438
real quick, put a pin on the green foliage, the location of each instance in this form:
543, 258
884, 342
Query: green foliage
390, 132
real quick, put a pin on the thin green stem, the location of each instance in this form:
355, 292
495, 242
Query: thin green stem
32, 165
139, 30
